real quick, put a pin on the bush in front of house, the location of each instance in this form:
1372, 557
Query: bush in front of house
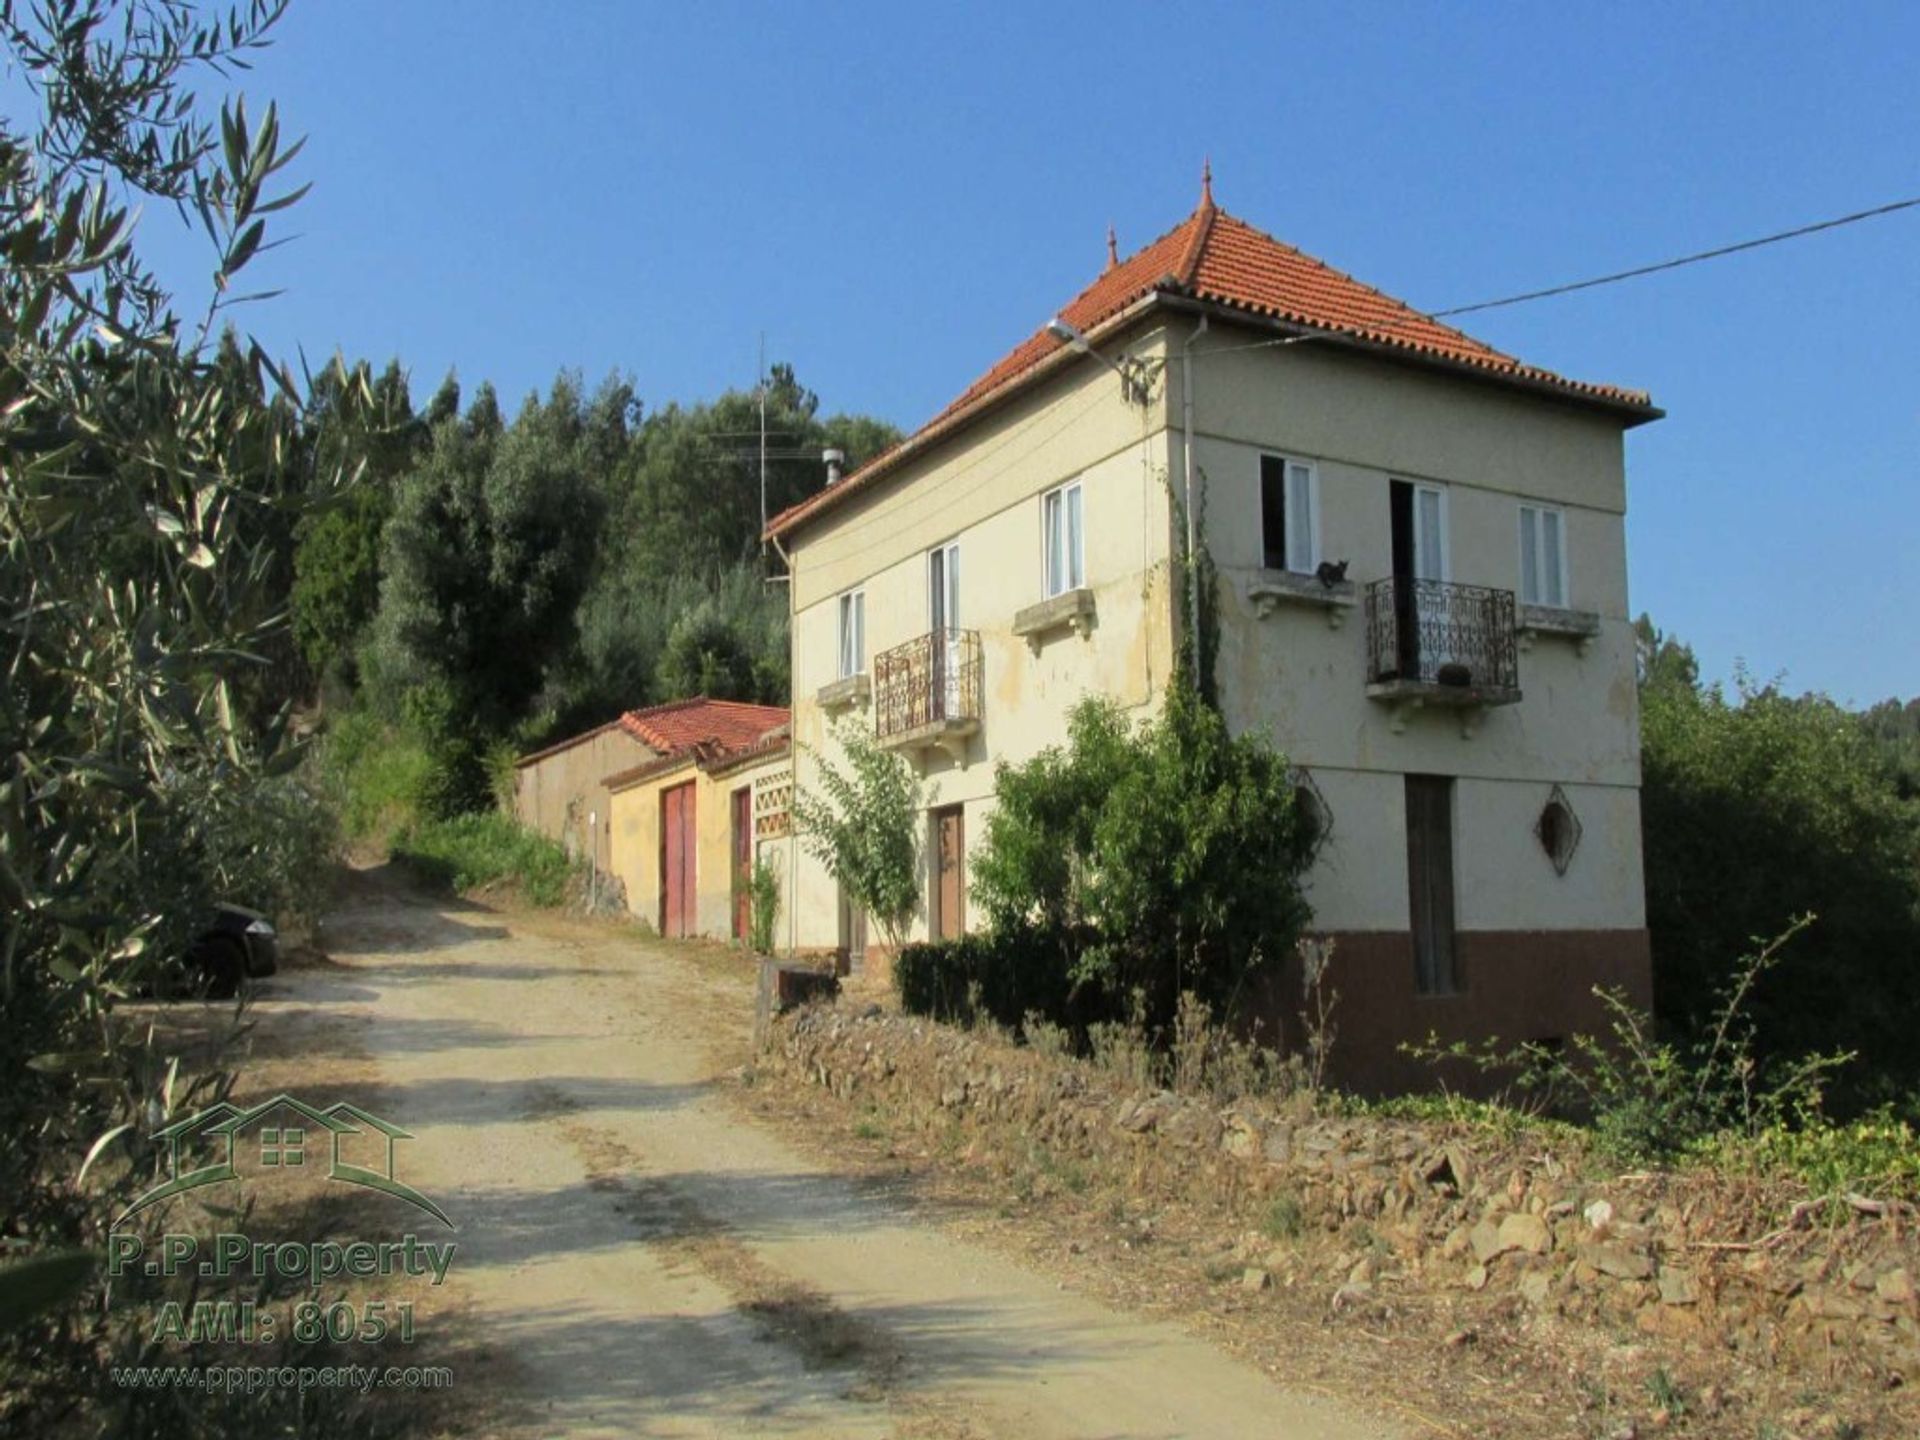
1000, 975
763, 904
862, 824
1137, 863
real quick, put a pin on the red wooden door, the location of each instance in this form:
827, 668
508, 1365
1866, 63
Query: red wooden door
742, 861
678, 897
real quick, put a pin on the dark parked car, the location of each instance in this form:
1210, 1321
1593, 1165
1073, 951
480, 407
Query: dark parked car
240, 945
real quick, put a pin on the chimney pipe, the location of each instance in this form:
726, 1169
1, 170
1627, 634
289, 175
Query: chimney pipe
835, 459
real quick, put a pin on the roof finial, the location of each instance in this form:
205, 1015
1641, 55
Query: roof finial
1206, 180
1113, 247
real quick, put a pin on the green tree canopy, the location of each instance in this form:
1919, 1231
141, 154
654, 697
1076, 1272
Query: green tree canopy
374, 441
486, 557
153, 478
1759, 807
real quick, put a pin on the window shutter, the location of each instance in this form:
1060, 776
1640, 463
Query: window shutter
1553, 589
1076, 542
1300, 518
1428, 551
1530, 555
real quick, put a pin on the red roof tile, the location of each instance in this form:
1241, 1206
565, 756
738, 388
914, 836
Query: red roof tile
702, 724
705, 755
1212, 256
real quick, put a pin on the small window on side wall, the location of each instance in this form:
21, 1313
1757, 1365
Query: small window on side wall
1558, 830
1311, 812
853, 633
1543, 556
1289, 515
1064, 540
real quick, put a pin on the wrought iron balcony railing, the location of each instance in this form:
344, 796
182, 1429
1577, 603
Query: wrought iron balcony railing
1440, 638
929, 685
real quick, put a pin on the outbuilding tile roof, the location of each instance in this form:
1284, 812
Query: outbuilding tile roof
1216, 258
719, 725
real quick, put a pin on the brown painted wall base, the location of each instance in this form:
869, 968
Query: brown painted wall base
1516, 985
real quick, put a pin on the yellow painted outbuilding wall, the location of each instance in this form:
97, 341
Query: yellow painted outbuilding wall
634, 812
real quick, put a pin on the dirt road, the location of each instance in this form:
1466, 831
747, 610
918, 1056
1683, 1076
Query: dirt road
654, 1264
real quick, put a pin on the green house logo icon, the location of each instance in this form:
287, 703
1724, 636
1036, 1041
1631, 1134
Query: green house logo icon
282, 1133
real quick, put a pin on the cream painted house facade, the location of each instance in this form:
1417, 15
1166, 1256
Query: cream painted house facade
1422, 600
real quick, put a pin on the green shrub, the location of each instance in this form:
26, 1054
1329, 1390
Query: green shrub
1647, 1099
1877, 1155
1002, 976
1759, 807
1284, 1219
1169, 853
706, 655
271, 844
375, 775
471, 851
763, 901
863, 825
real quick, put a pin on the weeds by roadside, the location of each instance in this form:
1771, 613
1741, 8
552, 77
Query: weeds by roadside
472, 851
1644, 1100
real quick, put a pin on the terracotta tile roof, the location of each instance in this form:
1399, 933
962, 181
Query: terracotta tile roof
1214, 257
717, 725
707, 755
651, 769
767, 747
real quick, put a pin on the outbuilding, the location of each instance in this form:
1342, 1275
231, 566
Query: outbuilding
687, 827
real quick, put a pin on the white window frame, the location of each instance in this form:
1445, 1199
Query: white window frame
851, 659
1564, 599
1444, 570
948, 587
1068, 502
1290, 465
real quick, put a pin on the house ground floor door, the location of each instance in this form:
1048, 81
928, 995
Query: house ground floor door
679, 902
1430, 883
742, 862
853, 935
949, 918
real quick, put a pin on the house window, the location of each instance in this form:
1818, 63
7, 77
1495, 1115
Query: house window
1417, 514
1543, 556
1430, 883
1289, 514
853, 633
1558, 830
1065, 539
943, 587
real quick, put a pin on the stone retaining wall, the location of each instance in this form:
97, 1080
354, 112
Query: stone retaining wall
1729, 1262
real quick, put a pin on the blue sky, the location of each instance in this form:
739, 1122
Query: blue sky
895, 194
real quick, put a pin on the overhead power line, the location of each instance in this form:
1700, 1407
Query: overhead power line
1388, 322
1694, 259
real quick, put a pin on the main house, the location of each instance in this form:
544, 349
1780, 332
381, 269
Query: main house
1422, 600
